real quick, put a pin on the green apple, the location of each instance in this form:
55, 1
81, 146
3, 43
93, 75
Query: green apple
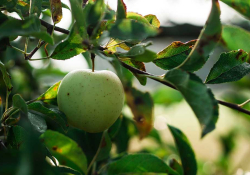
92, 101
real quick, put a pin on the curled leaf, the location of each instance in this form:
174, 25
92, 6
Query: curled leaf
56, 10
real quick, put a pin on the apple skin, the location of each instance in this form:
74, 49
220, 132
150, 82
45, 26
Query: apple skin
92, 101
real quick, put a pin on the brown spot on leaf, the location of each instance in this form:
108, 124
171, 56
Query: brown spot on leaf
54, 148
240, 52
243, 58
103, 143
68, 93
177, 44
186, 52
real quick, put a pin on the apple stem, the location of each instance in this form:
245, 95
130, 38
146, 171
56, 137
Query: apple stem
93, 61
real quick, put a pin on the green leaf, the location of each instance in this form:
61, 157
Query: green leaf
8, 4
46, 12
51, 93
95, 12
38, 122
78, 14
196, 94
66, 170
6, 77
139, 65
139, 163
137, 17
121, 10
52, 114
105, 147
153, 20
235, 38
146, 57
241, 6
44, 36
28, 27
65, 150
140, 53
176, 166
16, 137
69, 48
231, 66
208, 39
185, 150
18, 102
166, 96
174, 54
114, 129
141, 105
36, 7
87, 57
31, 153
128, 29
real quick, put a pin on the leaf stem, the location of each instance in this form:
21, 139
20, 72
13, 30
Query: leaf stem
26, 46
36, 59
17, 49
243, 104
96, 154
6, 101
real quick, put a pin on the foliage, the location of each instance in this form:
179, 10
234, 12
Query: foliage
35, 137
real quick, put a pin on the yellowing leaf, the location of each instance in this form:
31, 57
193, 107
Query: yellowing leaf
56, 9
141, 105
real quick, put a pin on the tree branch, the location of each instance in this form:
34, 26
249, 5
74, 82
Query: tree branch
233, 106
151, 76
28, 57
49, 30
134, 70
47, 25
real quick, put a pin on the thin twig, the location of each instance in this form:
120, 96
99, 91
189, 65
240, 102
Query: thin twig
50, 29
233, 106
26, 46
36, 59
34, 50
17, 49
47, 25
97, 152
6, 100
244, 103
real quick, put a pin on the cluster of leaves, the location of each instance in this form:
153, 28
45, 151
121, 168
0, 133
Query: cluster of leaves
36, 129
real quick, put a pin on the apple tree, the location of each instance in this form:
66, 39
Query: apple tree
36, 136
